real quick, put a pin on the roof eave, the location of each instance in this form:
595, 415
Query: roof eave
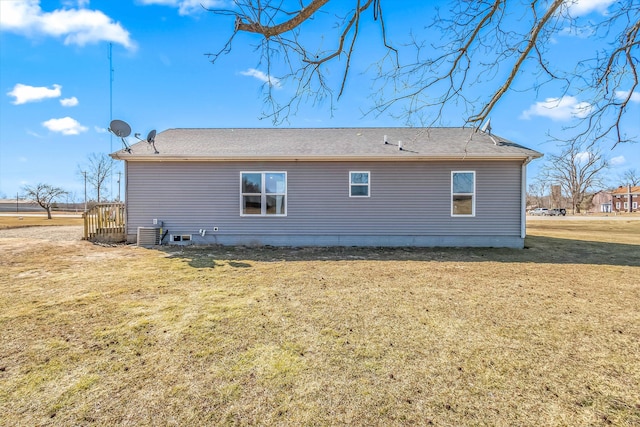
411, 158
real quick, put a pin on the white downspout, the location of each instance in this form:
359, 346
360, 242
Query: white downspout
523, 199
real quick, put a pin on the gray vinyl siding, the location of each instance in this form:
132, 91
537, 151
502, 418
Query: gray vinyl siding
407, 199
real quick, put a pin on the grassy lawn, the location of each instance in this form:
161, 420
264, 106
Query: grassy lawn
546, 336
19, 221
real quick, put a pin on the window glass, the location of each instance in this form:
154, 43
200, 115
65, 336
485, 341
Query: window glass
463, 182
251, 205
263, 193
251, 183
275, 205
359, 190
359, 177
275, 183
358, 184
463, 193
462, 205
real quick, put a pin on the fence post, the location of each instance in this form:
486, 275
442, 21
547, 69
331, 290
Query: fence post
86, 225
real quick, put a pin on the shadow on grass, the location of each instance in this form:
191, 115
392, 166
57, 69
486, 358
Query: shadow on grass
538, 249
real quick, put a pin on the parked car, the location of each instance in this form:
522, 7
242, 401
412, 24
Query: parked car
539, 211
557, 212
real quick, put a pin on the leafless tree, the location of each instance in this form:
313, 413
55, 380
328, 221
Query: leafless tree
44, 195
537, 193
630, 177
97, 168
577, 170
491, 47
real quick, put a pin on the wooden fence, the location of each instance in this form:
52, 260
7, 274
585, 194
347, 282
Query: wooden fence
105, 222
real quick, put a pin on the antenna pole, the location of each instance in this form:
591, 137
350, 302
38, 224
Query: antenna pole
110, 94
110, 111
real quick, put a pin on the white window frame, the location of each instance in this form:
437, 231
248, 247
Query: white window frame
473, 196
634, 205
368, 185
263, 194
626, 205
617, 205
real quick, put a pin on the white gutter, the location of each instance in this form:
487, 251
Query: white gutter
422, 158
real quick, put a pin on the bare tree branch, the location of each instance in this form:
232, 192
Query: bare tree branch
248, 25
630, 177
279, 25
483, 52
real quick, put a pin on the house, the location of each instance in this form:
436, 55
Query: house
625, 199
328, 187
600, 203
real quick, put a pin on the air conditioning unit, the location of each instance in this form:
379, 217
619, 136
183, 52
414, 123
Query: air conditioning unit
149, 236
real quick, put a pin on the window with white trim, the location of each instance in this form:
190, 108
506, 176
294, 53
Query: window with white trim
263, 193
359, 184
463, 193
617, 205
634, 205
626, 205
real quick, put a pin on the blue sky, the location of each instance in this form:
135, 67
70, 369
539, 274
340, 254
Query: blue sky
55, 84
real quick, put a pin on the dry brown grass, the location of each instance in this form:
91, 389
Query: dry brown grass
232, 336
19, 221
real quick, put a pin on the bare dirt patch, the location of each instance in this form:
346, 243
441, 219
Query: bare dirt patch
60, 233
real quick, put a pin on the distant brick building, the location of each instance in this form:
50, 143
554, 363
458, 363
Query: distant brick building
625, 199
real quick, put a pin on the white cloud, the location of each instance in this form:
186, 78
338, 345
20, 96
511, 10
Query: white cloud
99, 129
585, 7
25, 93
617, 161
583, 157
265, 78
69, 102
65, 126
582, 32
186, 7
77, 26
623, 94
72, 3
558, 109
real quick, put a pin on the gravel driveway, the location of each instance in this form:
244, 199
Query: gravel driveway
57, 233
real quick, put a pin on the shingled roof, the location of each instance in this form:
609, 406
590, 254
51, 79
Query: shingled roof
626, 190
326, 144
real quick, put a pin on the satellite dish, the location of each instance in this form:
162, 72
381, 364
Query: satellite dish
151, 137
486, 127
120, 128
